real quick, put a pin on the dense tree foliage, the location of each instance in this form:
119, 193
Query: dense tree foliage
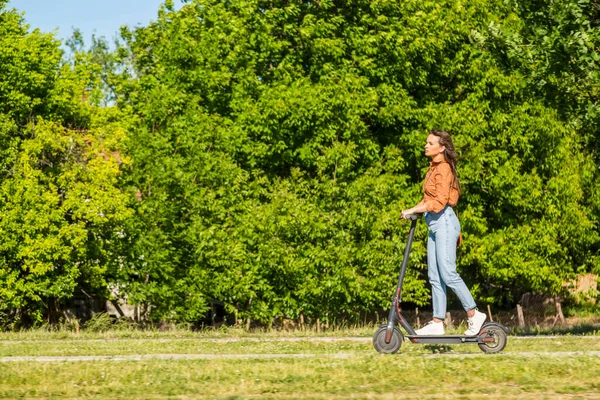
258, 154
60, 205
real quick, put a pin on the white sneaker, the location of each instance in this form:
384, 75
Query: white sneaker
432, 328
475, 323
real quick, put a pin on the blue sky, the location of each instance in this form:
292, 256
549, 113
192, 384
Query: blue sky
102, 17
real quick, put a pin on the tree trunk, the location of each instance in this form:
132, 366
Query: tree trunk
520, 316
212, 314
559, 313
418, 320
448, 320
248, 319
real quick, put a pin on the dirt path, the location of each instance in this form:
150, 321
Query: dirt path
359, 339
147, 357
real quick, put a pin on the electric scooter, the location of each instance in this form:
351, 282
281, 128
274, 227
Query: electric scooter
492, 336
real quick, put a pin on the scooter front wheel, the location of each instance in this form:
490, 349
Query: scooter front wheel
395, 341
495, 339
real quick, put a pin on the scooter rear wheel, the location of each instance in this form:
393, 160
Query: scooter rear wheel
395, 341
499, 339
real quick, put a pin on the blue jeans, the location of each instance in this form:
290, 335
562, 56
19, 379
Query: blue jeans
444, 229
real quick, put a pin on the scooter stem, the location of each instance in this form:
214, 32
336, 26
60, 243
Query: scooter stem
394, 314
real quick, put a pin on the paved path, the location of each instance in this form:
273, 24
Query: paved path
261, 339
147, 357
266, 356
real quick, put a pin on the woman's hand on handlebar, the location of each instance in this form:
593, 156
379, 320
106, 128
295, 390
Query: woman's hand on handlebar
418, 209
407, 213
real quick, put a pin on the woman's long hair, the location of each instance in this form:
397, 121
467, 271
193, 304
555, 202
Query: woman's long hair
449, 154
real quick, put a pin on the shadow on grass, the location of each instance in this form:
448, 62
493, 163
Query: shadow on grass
438, 348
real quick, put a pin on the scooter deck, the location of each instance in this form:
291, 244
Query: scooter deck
445, 339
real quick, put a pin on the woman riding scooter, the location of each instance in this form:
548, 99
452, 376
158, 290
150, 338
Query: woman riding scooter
441, 191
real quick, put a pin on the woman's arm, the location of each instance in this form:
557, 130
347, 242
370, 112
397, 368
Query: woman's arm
418, 209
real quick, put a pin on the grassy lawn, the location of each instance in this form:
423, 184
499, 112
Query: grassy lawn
528, 368
268, 345
357, 377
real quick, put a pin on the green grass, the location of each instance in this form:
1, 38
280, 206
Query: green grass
53, 333
528, 368
265, 345
358, 377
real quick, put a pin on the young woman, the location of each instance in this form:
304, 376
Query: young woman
442, 189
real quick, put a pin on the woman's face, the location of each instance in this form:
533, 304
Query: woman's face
433, 147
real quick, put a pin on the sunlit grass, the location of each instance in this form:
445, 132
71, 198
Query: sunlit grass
360, 376
540, 367
263, 345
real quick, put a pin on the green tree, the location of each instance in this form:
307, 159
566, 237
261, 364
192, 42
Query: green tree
59, 201
279, 141
259, 154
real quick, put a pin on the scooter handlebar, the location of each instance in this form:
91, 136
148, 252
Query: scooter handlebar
412, 217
